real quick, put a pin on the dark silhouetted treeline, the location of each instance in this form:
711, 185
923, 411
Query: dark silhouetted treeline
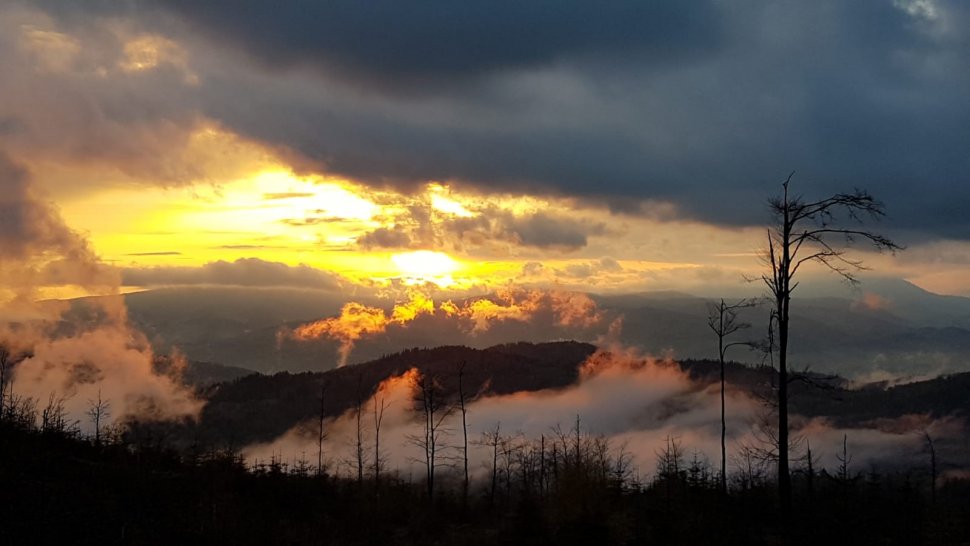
185, 483
570, 487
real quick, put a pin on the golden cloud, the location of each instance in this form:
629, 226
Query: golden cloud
356, 320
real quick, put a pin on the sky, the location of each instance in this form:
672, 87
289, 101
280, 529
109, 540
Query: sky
606, 147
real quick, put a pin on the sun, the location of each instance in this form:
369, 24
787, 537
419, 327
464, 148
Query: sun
425, 265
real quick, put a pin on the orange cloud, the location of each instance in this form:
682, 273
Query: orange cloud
356, 320
482, 313
417, 305
570, 309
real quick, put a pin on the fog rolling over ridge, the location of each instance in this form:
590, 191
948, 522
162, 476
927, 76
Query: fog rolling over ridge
532, 391
883, 329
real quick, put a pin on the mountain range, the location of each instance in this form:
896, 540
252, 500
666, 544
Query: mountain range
886, 330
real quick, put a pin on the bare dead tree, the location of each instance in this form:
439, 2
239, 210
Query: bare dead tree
510, 448
431, 402
321, 432
722, 319
380, 404
492, 438
577, 444
751, 467
542, 466
98, 411
464, 431
54, 417
931, 449
359, 454
5, 359
844, 460
802, 232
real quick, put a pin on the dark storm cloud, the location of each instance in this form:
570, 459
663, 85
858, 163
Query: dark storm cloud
848, 94
547, 231
407, 43
706, 107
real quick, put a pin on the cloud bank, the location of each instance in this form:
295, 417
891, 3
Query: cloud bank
241, 272
636, 402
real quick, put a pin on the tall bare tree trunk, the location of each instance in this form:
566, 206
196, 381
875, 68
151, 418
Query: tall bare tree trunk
932, 451
809, 231
784, 476
723, 480
380, 404
722, 319
359, 446
320, 430
5, 358
464, 430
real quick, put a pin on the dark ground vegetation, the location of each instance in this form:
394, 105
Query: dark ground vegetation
59, 488
154, 483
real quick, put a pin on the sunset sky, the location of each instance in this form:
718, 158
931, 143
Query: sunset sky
603, 147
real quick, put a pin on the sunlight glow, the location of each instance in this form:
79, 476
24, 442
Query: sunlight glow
442, 202
252, 205
426, 265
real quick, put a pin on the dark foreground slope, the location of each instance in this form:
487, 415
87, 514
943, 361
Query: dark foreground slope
58, 488
185, 485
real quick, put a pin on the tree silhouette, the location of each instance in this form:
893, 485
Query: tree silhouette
844, 460
321, 432
430, 400
380, 404
464, 430
55, 418
802, 232
5, 359
492, 438
98, 411
722, 319
359, 455
930, 448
